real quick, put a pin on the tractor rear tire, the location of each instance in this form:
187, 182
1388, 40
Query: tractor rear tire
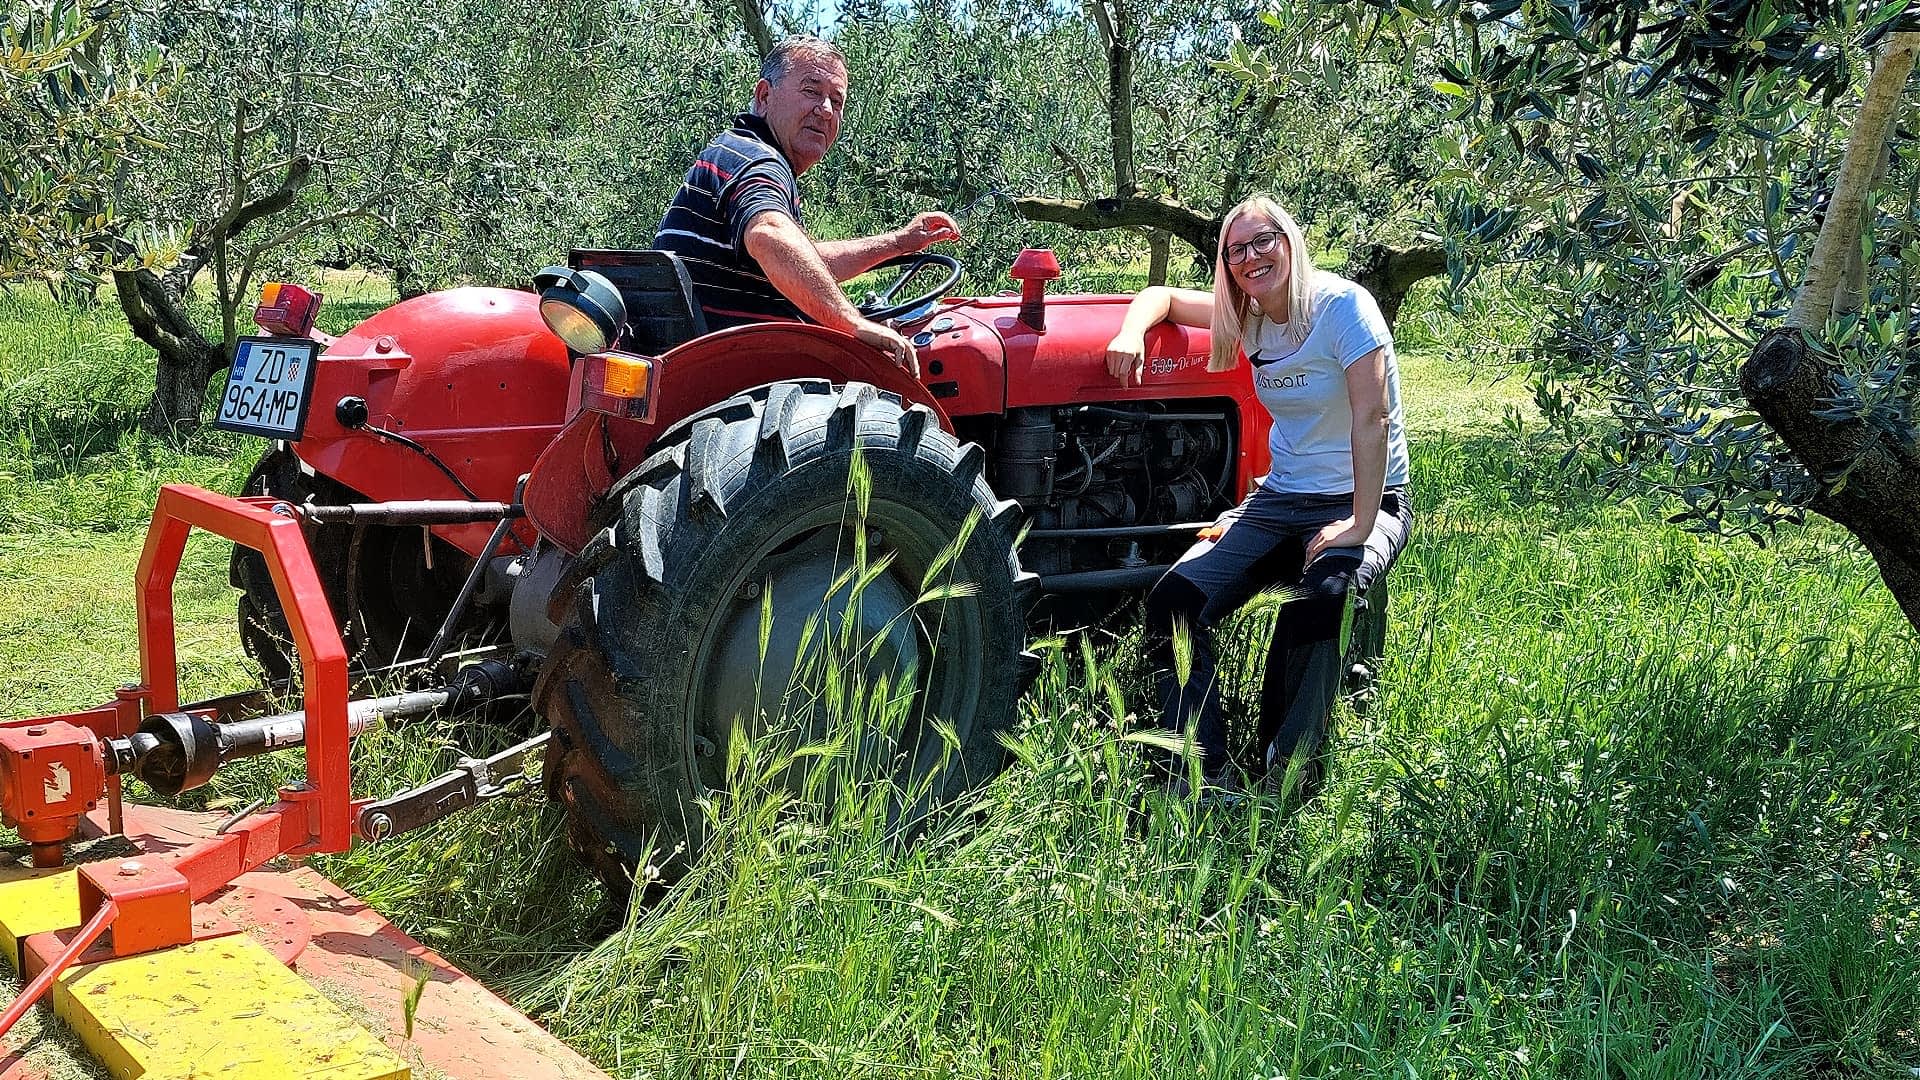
264, 633
387, 597
641, 686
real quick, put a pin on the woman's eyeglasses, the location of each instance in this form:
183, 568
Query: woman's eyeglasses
1262, 244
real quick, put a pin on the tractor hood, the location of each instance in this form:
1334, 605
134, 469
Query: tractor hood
983, 355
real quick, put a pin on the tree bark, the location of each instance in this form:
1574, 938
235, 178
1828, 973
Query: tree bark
1389, 272
1116, 30
1840, 231
1852, 290
755, 20
1158, 245
1866, 482
1200, 230
187, 359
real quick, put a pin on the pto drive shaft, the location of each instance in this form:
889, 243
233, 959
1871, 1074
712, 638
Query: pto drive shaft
176, 752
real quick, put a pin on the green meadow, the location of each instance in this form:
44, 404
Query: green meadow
1627, 802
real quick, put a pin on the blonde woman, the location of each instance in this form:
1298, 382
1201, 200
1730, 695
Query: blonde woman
1331, 513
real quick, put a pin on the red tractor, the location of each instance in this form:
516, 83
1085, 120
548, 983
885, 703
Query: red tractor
579, 494
645, 527
585, 476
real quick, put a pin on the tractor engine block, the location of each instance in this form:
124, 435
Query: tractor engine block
1083, 470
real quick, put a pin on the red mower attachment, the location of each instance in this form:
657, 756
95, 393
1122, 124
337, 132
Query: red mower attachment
50, 775
178, 907
53, 770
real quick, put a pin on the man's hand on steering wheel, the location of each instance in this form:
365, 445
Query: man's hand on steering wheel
887, 303
912, 241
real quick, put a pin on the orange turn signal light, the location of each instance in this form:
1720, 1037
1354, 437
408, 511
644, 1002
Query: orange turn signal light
627, 376
617, 384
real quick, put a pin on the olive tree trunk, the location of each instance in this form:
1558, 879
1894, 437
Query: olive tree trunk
1865, 481
1389, 272
187, 359
1879, 502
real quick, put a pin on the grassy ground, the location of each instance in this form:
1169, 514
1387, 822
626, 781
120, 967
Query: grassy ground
1630, 804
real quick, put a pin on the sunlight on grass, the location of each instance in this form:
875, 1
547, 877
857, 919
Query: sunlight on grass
1630, 803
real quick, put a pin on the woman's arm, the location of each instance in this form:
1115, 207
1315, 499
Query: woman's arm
1127, 352
1367, 396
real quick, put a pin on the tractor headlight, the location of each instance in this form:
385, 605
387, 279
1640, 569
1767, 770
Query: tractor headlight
582, 307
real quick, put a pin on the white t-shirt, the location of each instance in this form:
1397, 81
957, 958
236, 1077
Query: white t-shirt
1306, 391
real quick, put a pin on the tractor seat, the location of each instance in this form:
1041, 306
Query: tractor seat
661, 311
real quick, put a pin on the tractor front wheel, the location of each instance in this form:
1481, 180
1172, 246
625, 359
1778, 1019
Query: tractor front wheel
777, 527
263, 625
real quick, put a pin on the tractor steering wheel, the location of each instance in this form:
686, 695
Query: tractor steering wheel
880, 306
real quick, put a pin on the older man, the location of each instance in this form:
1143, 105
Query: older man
736, 220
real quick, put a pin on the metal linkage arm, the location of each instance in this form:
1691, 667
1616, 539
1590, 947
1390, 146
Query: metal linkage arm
327, 794
471, 782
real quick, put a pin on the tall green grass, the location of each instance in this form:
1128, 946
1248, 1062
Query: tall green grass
74, 384
1629, 803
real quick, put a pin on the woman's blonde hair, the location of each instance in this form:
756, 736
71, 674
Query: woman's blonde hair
1234, 316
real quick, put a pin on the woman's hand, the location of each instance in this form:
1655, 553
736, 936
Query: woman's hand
1127, 357
1336, 534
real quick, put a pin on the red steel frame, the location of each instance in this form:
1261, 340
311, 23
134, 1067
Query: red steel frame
325, 801
148, 900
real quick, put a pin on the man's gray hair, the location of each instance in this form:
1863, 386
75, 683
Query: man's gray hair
774, 67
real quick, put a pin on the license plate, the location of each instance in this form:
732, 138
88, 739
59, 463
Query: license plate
268, 387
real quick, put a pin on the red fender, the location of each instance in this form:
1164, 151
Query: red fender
594, 450
472, 374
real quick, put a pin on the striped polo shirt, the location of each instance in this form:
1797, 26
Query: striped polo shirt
740, 175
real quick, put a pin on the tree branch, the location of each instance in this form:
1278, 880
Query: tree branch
299, 171
1853, 280
155, 316
1119, 31
756, 24
1073, 166
1787, 386
1388, 272
238, 216
1879, 108
288, 236
1199, 230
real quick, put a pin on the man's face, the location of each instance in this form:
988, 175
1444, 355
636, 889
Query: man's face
804, 109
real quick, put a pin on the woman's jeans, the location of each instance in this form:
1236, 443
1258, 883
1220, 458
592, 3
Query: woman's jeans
1264, 546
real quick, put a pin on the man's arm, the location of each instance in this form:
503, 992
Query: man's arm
794, 265
848, 259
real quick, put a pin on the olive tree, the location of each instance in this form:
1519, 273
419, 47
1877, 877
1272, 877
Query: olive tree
271, 138
1712, 212
75, 102
442, 141
1120, 118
